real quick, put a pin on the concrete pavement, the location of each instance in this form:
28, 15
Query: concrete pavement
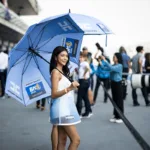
26, 128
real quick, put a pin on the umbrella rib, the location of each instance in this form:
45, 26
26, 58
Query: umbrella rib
45, 42
43, 51
57, 34
29, 40
23, 71
27, 64
40, 34
72, 24
19, 49
18, 62
36, 62
51, 39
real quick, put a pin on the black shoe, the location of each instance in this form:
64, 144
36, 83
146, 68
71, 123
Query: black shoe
148, 103
124, 98
38, 106
105, 100
86, 115
137, 104
92, 104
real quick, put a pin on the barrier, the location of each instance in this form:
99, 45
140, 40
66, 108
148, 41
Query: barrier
144, 145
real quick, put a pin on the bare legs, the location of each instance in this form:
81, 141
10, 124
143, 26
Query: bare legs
54, 137
62, 138
71, 132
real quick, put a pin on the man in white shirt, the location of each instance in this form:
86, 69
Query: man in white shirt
3, 71
84, 81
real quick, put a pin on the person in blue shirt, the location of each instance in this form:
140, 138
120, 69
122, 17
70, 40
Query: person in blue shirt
102, 76
92, 72
116, 85
126, 67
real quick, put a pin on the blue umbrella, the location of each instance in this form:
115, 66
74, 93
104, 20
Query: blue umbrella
28, 78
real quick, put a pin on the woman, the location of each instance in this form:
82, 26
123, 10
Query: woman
102, 76
116, 85
63, 111
84, 80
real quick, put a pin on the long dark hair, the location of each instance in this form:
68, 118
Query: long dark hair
53, 63
119, 57
147, 57
99, 47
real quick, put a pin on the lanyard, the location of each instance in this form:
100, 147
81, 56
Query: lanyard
65, 75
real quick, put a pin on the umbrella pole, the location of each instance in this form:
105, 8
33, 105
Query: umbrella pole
34, 52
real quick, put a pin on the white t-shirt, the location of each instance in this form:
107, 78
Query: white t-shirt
82, 68
3, 60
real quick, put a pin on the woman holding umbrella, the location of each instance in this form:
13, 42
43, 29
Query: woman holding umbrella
63, 112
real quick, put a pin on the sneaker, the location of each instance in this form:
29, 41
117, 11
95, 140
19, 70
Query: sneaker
86, 115
136, 104
42, 108
105, 100
119, 121
38, 106
80, 116
49, 119
2, 97
148, 104
91, 114
112, 120
92, 104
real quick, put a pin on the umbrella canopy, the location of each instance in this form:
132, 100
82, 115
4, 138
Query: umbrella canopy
28, 78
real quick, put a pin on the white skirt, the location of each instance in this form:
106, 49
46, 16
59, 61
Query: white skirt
63, 110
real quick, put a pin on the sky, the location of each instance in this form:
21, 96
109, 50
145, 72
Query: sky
128, 19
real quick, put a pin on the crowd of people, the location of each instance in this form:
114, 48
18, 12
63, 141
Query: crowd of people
64, 112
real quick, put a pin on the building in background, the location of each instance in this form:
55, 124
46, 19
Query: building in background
12, 28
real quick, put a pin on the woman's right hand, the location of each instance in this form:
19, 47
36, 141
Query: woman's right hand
74, 85
103, 57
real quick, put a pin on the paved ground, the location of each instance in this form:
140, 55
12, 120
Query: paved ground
26, 128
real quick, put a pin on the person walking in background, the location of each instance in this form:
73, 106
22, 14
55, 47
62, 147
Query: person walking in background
102, 76
147, 67
63, 112
116, 85
92, 72
42, 105
84, 81
126, 68
3, 71
138, 69
89, 60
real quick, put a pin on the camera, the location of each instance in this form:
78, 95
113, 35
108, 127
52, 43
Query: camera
140, 80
